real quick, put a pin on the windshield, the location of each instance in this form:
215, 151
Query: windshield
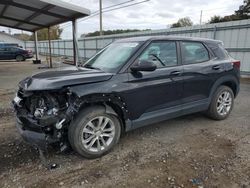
113, 57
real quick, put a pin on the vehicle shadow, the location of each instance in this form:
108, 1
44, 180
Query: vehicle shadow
16, 153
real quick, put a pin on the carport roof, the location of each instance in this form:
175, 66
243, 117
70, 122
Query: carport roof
32, 15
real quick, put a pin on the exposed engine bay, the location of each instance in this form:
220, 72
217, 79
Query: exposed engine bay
47, 113
43, 117
47, 108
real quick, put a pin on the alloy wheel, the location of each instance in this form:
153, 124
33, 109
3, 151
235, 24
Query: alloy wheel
224, 103
98, 134
19, 58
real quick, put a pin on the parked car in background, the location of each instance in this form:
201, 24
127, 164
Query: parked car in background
17, 53
129, 84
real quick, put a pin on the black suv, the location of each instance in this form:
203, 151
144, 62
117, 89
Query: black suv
19, 54
131, 83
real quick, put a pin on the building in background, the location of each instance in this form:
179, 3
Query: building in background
7, 38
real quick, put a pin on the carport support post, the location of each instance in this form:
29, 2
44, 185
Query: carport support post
50, 58
75, 42
36, 46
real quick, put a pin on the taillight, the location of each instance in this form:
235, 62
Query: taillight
236, 64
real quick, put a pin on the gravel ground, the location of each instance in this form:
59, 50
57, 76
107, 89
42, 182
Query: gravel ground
190, 151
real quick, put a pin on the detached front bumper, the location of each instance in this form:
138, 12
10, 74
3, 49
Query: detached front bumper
51, 128
36, 139
30, 131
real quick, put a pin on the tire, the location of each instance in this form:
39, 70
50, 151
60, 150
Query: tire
222, 103
84, 131
20, 58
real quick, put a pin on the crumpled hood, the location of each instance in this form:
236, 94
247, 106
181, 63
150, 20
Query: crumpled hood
57, 79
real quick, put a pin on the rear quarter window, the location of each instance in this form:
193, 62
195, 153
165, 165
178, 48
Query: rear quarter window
218, 50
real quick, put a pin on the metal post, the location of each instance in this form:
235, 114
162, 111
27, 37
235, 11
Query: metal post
50, 57
64, 45
96, 45
215, 29
36, 46
75, 43
200, 23
201, 18
84, 49
100, 4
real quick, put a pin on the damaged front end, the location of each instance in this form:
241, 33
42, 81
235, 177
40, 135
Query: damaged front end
43, 117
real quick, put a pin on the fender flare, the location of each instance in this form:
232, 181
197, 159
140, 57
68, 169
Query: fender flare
107, 100
110, 110
220, 81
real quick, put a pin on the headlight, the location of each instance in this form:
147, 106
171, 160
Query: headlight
17, 100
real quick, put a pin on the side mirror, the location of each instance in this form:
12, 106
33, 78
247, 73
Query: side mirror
144, 66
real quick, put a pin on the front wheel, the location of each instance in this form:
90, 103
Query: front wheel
20, 58
94, 132
221, 104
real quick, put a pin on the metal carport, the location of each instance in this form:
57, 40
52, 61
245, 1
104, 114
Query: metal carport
33, 15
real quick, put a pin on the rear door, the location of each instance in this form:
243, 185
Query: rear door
8, 53
199, 71
160, 89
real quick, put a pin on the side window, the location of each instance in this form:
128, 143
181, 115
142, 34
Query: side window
162, 54
194, 52
13, 49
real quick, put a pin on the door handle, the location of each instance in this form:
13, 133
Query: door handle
216, 67
175, 73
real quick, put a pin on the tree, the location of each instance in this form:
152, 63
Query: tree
241, 14
182, 22
244, 10
111, 32
215, 19
55, 33
22, 36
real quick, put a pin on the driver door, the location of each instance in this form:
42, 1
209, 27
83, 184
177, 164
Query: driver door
158, 90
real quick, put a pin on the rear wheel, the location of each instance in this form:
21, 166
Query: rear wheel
222, 103
94, 132
20, 58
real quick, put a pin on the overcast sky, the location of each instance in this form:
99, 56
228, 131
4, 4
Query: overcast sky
154, 14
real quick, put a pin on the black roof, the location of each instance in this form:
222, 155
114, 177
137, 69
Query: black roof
167, 37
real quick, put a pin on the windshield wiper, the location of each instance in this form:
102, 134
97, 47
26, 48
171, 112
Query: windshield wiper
91, 67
